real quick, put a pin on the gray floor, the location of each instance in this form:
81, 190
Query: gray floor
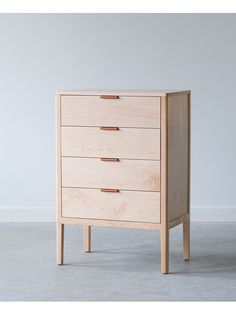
124, 265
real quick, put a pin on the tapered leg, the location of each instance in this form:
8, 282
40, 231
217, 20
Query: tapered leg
60, 243
164, 250
87, 238
186, 240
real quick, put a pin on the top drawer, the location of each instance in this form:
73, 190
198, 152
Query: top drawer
121, 112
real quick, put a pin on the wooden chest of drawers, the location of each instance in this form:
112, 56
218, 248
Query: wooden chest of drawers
123, 160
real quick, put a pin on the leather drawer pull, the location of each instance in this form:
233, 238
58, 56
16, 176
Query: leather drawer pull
110, 190
107, 128
109, 159
109, 97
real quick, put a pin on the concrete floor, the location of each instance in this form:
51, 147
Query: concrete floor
124, 265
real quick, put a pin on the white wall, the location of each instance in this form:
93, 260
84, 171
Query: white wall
43, 53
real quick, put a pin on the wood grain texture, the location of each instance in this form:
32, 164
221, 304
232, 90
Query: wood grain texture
125, 205
189, 151
122, 112
186, 223
58, 155
111, 223
178, 155
123, 159
186, 239
143, 175
59, 226
60, 242
164, 188
124, 143
87, 238
123, 92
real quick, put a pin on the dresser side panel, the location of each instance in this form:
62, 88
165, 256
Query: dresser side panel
178, 155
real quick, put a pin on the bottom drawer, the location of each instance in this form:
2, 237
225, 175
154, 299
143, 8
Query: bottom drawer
124, 205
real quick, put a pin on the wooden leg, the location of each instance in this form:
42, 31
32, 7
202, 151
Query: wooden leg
164, 250
186, 240
87, 238
60, 243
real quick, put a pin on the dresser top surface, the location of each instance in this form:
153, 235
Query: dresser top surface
122, 92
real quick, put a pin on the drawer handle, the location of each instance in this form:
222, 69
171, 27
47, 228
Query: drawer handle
109, 159
109, 97
110, 190
107, 128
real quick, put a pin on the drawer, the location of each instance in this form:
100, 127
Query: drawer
143, 175
125, 205
121, 112
122, 143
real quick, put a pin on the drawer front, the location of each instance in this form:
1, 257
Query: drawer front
123, 143
143, 175
121, 112
125, 205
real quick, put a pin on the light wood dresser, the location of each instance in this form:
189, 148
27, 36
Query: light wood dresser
123, 160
